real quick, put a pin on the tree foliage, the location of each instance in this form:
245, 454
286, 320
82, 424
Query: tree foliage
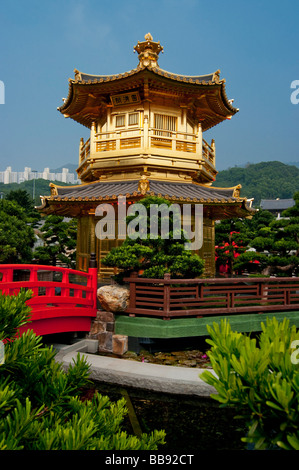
24, 200
260, 379
16, 233
42, 407
59, 241
261, 244
40, 185
155, 256
20, 223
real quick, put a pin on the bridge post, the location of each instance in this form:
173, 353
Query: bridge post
93, 271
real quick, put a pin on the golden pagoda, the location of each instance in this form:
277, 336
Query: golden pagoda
146, 138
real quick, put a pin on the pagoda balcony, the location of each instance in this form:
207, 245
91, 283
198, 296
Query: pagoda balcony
127, 147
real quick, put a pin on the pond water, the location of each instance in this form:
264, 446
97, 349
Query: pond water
191, 424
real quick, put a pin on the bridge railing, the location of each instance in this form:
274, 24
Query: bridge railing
63, 299
168, 298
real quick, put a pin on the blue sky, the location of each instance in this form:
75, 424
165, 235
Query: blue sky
254, 44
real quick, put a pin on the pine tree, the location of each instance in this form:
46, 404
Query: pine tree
276, 244
155, 256
59, 241
262, 244
16, 234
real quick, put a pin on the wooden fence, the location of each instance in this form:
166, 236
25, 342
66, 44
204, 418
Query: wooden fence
169, 298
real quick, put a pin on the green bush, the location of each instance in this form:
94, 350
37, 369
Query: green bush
260, 378
42, 406
154, 256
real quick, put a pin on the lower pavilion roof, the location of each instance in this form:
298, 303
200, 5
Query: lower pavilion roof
219, 203
276, 204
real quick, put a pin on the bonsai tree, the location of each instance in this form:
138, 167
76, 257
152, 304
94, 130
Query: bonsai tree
268, 245
59, 242
281, 241
43, 407
260, 379
23, 199
234, 240
153, 256
276, 244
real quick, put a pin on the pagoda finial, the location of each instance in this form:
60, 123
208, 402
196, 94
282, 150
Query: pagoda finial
148, 37
148, 51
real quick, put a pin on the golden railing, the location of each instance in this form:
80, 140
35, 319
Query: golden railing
84, 151
176, 141
208, 151
173, 140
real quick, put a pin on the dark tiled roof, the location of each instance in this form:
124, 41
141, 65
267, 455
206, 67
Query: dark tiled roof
89, 79
277, 204
184, 191
198, 79
84, 86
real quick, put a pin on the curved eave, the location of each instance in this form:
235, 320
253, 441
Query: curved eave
77, 107
214, 209
219, 203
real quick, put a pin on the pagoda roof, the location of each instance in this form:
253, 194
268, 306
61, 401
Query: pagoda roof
198, 79
222, 202
277, 204
90, 94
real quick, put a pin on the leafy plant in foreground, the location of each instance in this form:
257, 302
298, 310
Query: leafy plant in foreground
42, 406
260, 379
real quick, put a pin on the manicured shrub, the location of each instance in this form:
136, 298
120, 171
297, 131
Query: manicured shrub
154, 256
260, 378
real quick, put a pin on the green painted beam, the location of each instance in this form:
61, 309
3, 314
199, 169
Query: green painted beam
145, 327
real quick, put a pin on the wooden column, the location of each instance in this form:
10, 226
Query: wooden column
93, 139
199, 141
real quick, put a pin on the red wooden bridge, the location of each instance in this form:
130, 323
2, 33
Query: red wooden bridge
64, 300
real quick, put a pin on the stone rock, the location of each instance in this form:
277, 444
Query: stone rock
105, 341
131, 355
96, 328
106, 317
113, 298
188, 363
119, 344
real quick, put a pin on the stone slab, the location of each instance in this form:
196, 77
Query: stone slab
84, 345
154, 377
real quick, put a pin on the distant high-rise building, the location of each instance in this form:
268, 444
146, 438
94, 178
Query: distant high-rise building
8, 176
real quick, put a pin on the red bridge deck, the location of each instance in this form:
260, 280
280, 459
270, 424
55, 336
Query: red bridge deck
63, 299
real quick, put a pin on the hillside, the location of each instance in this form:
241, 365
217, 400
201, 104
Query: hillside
266, 180
42, 187
71, 167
